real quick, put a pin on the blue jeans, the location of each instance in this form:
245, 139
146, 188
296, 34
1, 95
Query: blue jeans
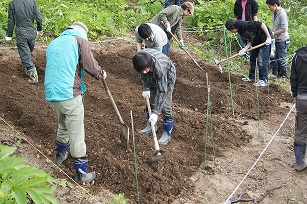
166, 48
281, 57
169, 2
263, 56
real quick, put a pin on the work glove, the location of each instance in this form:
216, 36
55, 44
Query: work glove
39, 33
242, 51
103, 74
146, 93
268, 41
8, 39
181, 44
168, 27
153, 118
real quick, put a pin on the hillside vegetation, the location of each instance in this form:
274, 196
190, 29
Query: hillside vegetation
117, 18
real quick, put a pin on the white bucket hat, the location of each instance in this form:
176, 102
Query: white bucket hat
80, 27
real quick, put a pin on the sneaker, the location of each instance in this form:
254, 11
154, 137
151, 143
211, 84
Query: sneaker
246, 79
282, 79
261, 83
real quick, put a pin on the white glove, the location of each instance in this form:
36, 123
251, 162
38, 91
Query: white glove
39, 33
146, 93
104, 74
8, 39
168, 27
242, 51
153, 118
268, 41
181, 44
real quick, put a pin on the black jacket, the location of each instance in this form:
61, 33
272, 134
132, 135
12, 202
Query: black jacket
251, 10
298, 75
251, 31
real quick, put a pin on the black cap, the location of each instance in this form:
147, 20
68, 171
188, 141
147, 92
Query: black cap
230, 24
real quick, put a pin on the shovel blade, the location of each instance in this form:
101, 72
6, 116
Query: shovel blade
156, 156
124, 135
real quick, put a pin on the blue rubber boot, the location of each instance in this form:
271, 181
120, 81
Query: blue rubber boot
299, 152
166, 131
81, 165
61, 153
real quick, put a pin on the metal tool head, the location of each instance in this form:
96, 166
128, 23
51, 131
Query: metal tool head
219, 66
156, 156
124, 135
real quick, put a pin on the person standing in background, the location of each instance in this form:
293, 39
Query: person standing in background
298, 81
245, 10
23, 13
281, 36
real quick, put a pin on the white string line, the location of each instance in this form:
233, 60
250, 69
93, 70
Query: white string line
260, 155
56, 166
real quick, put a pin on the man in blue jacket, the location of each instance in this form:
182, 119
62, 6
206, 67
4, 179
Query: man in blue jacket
68, 58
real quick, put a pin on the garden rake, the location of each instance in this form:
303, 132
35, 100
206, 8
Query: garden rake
176, 39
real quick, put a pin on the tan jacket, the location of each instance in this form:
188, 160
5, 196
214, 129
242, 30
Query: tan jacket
173, 14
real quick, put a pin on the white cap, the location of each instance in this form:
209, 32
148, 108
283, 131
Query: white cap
80, 27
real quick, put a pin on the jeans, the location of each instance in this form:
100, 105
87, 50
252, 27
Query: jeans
169, 2
281, 57
263, 55
166, 48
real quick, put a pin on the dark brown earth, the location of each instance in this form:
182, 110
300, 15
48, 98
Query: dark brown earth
23, 106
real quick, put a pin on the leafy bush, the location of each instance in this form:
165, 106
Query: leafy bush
20, 183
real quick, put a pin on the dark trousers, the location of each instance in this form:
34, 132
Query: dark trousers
25, 44
301, 121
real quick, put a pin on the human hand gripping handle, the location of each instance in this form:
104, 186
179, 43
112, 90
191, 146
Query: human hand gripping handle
8, 39
39, 33
153, 118
167, 26
103, 74
268, 40
145, 94
242, 51
181, 44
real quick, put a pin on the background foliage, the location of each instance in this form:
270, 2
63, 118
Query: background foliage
116, 18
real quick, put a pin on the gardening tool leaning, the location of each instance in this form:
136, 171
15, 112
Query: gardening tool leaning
235, 55
176, 39
156, 156
124, 133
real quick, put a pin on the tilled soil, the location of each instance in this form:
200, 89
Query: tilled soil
24, 106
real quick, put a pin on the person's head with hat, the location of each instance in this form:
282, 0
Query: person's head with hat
231, 25
188, 8
81, 27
